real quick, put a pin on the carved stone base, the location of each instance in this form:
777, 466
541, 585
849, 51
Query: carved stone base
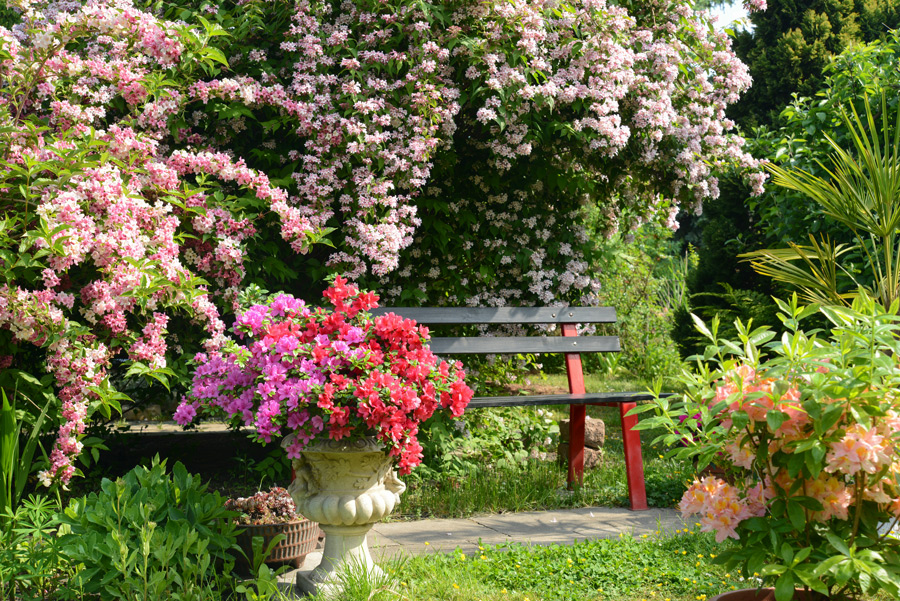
346, 551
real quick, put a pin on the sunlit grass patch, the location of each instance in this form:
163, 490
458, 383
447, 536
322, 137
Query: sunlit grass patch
655, 567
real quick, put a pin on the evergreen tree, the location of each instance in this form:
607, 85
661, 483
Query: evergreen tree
787, 52
791, 43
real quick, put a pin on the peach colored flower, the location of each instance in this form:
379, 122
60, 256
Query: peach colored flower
741, 456
876, 493
833, 495
859, 450
758, 497
718, 504
697, 495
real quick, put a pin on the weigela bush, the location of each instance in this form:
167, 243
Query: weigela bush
108, 230
147, 155
807, 429
339, 372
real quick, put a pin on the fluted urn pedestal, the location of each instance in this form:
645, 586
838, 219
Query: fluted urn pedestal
346, 486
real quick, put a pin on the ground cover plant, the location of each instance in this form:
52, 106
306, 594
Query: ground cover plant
659, 566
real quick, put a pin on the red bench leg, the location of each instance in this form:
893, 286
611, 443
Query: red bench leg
576, 413
634, 463
576, 446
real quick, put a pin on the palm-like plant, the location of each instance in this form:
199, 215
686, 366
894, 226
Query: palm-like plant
863, 193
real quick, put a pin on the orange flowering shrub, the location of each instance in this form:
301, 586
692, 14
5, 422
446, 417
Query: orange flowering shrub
806, 427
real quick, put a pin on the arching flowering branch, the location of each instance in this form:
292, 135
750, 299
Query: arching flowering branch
108, 232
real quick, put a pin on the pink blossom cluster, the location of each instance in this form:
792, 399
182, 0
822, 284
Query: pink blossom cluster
124, 226
856, 452
367, 120
636, 99
77, 368
537, 251
337, 370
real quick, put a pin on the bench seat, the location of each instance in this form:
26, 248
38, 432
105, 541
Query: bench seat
571, 345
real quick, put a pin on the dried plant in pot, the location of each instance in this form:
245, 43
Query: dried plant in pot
268, 514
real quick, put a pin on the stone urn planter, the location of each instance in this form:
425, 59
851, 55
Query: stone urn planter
345, 486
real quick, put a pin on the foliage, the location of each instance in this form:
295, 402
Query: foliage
33, 564
739, 223
857, 77
489, 438
791, 44
274, 506
729, 305
304, 370
808, 430
150, 535
18, 441
860, 194
646, 284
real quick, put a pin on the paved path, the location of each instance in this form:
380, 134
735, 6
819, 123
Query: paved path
563, 526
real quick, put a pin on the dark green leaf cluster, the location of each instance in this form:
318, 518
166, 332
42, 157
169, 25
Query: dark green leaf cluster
149, 535
792, 43
33, 564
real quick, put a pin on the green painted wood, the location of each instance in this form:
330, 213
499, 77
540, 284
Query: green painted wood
488, 345
561, 399
502, 315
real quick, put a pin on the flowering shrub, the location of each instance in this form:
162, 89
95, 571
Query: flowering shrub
109, 232
274, 506
339, 371
147, 162
522, 113
808, 431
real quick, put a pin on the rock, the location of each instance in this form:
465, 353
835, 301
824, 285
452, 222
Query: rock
594, 432
592, 457
144, 414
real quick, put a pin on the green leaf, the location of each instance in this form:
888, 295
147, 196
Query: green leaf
784, 587
775, 418
839, 545
700, 326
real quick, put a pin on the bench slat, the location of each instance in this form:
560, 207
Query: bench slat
560, 399
524, 344
500, 315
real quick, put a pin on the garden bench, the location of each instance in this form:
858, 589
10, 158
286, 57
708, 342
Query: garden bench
571, 345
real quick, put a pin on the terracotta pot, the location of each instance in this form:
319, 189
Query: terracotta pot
762, 594
301, 537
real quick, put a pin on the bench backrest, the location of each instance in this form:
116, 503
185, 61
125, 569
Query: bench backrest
566, 317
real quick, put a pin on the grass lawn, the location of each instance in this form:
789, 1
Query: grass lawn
650, 568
